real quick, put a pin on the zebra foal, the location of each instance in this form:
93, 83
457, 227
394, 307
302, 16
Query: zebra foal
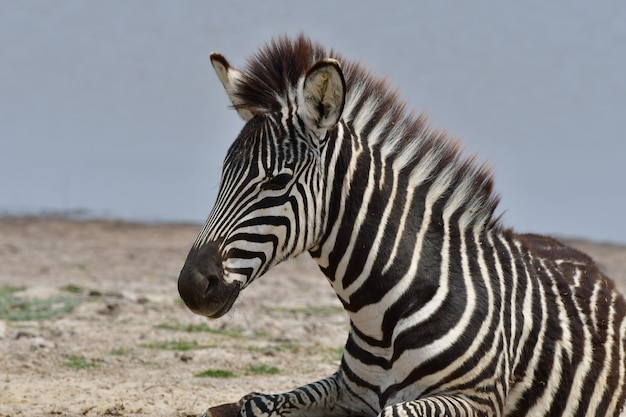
451, 314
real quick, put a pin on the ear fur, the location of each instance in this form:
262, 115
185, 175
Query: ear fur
229, 77
322, 95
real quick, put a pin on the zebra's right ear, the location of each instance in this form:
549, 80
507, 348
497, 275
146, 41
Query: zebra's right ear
321, 95
229, 77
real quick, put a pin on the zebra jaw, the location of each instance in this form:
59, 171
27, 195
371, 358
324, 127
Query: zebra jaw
202, 286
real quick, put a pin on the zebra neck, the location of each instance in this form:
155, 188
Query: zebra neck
397, 284
390, 229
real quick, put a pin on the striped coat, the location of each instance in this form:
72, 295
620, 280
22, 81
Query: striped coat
451, 313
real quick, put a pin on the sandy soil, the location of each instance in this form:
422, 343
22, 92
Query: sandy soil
91, 323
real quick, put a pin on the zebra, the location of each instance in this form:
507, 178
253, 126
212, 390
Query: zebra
451, 313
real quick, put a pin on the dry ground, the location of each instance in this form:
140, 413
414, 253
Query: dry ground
91, 323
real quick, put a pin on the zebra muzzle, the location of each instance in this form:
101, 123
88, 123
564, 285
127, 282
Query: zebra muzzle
201, 283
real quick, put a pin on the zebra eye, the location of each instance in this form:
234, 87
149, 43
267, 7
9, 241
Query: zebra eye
278, 182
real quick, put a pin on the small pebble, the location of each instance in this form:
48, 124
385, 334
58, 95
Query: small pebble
27, 333
41, 343
143, 299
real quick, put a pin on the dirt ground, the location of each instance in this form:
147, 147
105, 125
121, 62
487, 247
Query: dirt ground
91, 323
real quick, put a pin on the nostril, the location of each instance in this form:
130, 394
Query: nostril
213, 282
201, 284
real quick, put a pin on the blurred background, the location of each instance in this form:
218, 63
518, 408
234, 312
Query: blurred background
112, 109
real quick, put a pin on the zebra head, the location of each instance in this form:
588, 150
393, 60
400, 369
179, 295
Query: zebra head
269, 205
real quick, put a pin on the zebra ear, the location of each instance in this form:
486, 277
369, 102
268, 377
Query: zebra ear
229, 77
322, 95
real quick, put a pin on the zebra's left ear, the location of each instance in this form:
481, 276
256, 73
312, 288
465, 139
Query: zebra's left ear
229, 77
322, 95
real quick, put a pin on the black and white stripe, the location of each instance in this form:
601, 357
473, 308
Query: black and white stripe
451, 314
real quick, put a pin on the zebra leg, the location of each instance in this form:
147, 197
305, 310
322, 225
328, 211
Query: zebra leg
324, 398
438, 406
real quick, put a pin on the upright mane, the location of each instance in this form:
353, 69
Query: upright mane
269, 81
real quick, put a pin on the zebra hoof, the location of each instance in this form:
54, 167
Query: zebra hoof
228, 409
223, 410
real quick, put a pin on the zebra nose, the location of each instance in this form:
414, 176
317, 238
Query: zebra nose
201, 283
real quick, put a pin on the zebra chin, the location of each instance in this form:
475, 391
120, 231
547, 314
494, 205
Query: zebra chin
201, 283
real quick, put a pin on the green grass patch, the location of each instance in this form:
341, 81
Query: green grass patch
72, 289
263, 369
79, 362
179, 345
9, 290
215, 373
335, 354
14, 308
283, 347
311, 310
200, 328
120, 351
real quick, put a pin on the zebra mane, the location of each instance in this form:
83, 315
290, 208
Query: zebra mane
376, 112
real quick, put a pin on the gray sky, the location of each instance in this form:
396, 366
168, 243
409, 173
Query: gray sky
113, 107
